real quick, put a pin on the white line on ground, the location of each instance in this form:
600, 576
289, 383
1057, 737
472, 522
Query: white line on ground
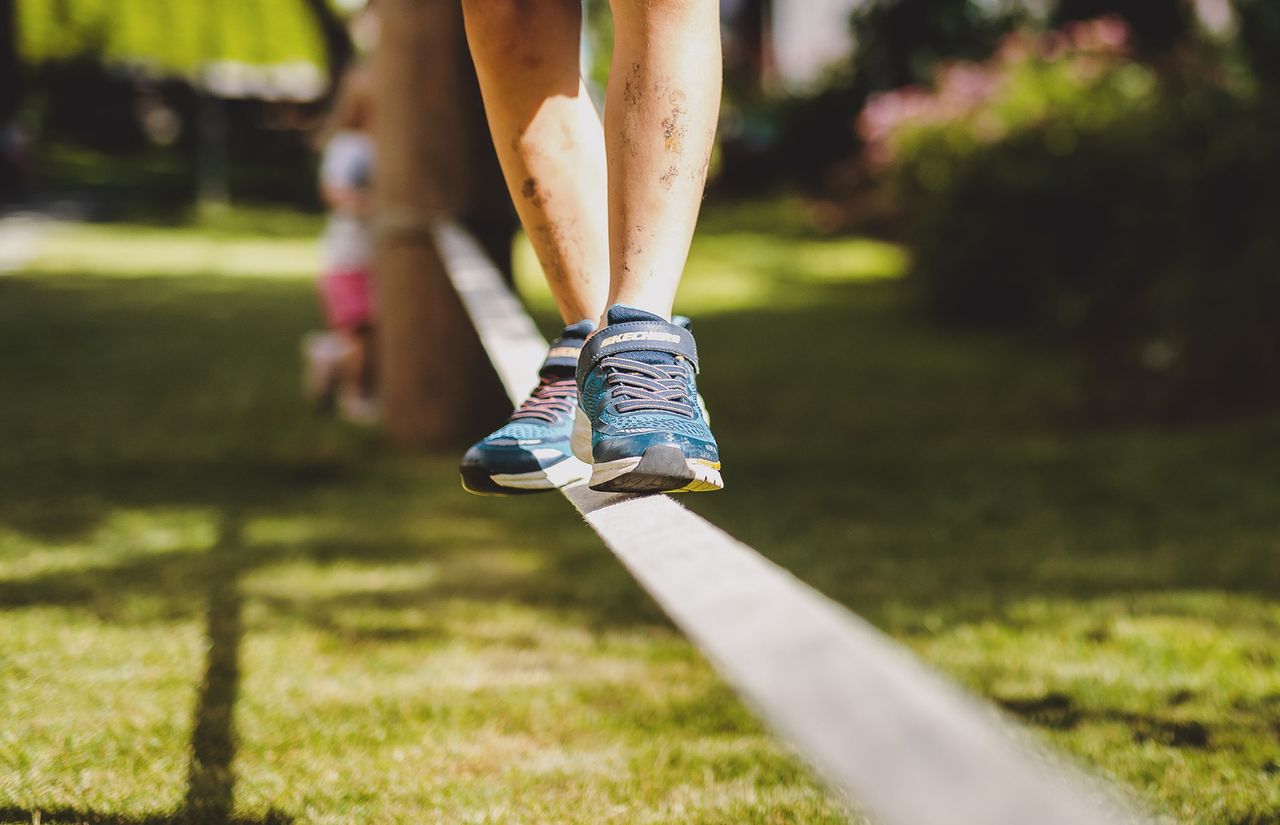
904, 743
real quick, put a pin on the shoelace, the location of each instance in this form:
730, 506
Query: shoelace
641, 386
549, 401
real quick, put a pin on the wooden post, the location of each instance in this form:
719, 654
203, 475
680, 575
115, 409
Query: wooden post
433, 160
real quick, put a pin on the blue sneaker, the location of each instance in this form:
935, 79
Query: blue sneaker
640, 421
531, 453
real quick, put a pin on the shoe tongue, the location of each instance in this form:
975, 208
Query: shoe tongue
621, 314
561, 363
557, 372
578, 331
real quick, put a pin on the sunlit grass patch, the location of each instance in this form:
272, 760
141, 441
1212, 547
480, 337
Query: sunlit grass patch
97, 716
1180, 690
123, 535
735, 270
147, 251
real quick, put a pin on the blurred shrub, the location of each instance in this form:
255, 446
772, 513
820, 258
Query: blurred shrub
1157, 25
804, 141
901, 41
1063, 188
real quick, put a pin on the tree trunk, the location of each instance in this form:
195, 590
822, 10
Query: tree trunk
433, 161
753, 68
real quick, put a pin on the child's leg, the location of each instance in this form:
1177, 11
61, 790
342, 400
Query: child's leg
643, 428
548, 138
660, 119
365, 368
357, 372
551, 146
357, 400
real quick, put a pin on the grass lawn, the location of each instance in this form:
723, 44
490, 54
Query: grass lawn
216, 606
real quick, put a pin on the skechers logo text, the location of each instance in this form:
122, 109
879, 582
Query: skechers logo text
623, 337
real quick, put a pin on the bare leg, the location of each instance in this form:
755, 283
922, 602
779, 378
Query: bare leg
660, 121
366, 369
548, 138
357, 361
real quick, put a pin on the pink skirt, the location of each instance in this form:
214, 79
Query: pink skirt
347, 296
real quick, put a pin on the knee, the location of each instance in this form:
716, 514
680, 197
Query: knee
509, 18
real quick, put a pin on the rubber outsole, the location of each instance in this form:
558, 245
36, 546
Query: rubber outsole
662, 469
477, 481
481, 482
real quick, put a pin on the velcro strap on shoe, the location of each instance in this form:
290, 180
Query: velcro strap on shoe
563, 354
637, 336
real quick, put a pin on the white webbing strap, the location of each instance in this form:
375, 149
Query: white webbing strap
904, 743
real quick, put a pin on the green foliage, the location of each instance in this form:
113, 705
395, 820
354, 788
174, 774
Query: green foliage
901, 41
598, 22
1260, 37
170, 36
1157, 25
1132, 219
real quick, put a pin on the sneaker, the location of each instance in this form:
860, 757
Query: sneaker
640, 421
361, 410
531, 453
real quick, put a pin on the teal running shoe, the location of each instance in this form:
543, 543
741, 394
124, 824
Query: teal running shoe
640, 422
531, 453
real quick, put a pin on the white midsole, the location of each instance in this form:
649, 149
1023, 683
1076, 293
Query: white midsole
561, 474
609, 470
580, 441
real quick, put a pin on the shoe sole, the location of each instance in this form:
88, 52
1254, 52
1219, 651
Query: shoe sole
481, 482
662, 469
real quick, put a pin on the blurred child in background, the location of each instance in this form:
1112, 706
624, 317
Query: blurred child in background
340, 363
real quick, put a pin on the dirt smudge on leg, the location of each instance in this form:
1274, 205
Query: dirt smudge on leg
675, 126
529, 191
631, 92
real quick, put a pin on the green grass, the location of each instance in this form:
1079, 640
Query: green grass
215, 605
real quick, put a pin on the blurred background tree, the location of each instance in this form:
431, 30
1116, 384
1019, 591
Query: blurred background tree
11, 182
150, 103
900, 42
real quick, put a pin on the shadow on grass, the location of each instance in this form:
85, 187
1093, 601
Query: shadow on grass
209, 798
210, 782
